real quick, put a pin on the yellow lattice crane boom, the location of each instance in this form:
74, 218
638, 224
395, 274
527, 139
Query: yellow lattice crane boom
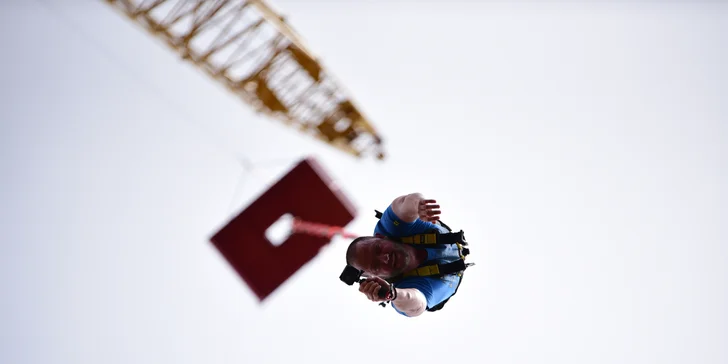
250, 49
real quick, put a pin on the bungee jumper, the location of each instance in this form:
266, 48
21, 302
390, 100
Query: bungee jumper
412, 261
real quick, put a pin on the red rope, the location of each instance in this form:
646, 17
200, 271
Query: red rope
316, 229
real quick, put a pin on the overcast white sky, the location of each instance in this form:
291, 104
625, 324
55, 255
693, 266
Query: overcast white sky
580, 146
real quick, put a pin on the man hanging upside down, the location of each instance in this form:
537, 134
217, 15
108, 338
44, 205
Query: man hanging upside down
386, 261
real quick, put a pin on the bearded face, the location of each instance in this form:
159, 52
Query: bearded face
381, 257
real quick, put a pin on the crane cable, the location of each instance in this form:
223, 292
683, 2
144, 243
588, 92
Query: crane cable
249, 167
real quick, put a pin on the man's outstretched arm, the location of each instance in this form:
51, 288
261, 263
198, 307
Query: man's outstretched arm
410, 301
414, 206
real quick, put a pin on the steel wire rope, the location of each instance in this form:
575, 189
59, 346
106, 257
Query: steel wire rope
249, 167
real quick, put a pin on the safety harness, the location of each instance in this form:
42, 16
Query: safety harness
434, 238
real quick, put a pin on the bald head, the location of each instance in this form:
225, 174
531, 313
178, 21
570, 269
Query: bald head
378, 256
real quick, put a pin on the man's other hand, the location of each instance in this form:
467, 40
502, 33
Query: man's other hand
371, 286
428, 210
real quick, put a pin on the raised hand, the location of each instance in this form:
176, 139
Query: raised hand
428, 210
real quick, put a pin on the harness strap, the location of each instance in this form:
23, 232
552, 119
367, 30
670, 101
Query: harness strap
418, 239
435, 238
437, 269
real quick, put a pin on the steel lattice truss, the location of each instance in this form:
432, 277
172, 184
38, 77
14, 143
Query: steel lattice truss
247, 47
